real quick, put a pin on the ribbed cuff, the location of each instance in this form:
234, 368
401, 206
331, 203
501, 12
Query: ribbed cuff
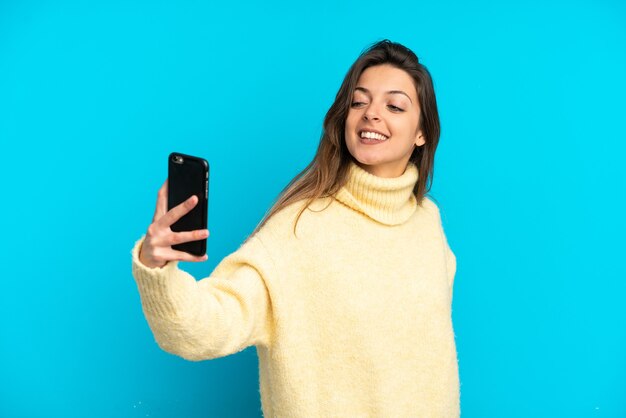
162, 289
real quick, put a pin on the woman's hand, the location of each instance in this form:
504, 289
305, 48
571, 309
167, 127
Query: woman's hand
156, 249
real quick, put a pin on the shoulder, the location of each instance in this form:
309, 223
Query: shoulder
433, 209
430, 206
280, 226
284, 217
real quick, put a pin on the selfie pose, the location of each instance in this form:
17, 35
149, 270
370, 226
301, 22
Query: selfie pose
345, 286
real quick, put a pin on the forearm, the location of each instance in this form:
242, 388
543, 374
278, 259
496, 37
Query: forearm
203, 319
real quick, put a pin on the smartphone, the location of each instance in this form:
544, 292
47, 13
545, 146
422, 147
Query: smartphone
186, 176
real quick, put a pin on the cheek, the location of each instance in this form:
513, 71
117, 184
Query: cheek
406, 126
350, 122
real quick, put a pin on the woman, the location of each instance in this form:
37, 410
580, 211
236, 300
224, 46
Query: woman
345, 287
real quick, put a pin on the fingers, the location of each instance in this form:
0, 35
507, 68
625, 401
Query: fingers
165, 237
186, 236
177, 212
158, 245
161, 237
183, 256
163, 255
161, 204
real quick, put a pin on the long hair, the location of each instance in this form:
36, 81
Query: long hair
328, 170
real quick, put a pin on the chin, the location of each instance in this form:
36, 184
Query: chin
368, 158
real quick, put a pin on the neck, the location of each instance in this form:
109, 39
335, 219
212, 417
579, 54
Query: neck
385, 171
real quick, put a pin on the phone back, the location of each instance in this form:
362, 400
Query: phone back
187, 176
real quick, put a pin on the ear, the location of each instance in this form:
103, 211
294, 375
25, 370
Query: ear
420, 138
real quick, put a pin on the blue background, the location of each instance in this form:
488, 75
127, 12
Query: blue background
95, 95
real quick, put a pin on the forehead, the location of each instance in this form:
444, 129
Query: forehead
382, 78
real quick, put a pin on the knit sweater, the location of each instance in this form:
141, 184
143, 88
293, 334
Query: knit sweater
351, 317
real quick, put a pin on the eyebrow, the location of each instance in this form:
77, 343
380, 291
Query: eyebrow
363, 89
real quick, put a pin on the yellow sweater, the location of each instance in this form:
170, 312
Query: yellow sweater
351, 318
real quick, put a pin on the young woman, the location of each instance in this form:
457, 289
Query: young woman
345, 287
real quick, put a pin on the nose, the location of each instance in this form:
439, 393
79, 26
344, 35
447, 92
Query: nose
370, 114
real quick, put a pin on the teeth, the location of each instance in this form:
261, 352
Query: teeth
373, 135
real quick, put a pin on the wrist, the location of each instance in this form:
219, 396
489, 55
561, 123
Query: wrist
147, 263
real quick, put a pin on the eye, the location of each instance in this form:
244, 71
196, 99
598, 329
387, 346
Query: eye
355, 104
396, 108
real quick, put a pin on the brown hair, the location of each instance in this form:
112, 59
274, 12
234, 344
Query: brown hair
327, 173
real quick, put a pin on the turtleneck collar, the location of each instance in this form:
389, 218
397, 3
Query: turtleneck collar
389, 201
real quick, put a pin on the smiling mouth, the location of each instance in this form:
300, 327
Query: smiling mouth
372, 137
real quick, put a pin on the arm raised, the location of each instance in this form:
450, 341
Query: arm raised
219, 315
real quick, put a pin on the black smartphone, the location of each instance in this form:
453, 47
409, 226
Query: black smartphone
186, 176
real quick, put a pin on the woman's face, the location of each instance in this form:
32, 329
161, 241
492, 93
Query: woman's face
384, 101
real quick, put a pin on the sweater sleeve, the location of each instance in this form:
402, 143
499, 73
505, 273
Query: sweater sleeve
450, 264
450, 257
219, 315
